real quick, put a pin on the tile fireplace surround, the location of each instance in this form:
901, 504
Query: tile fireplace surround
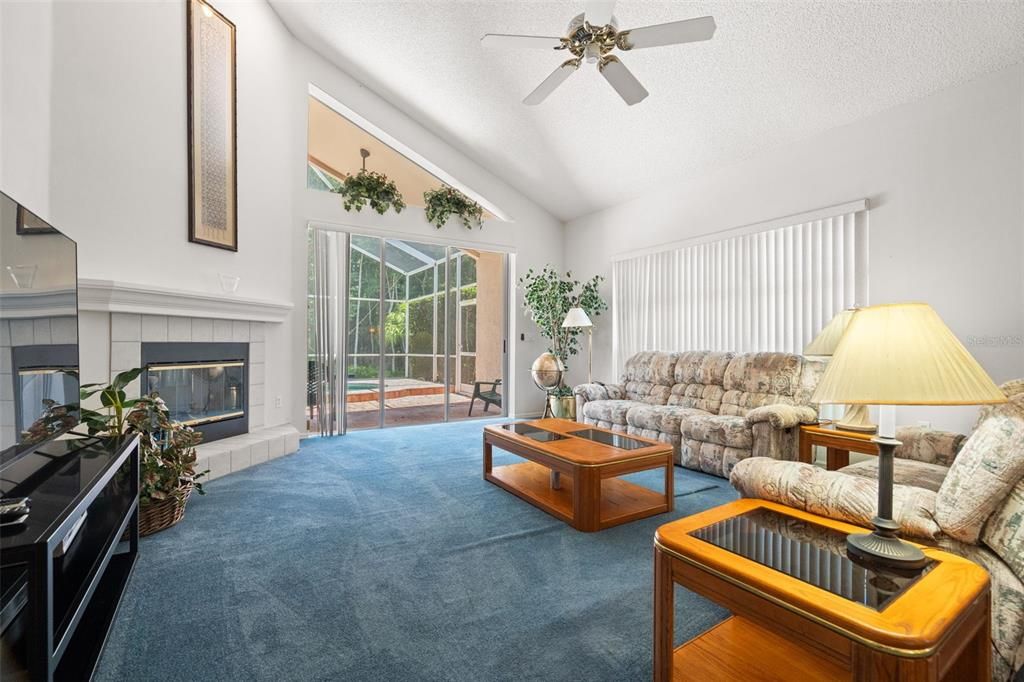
115, 321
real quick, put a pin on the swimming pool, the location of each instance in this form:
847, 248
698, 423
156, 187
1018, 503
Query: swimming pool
357, 386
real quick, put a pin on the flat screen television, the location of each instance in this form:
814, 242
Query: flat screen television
39, 375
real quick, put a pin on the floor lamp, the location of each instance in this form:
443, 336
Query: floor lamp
578, 319
899, 354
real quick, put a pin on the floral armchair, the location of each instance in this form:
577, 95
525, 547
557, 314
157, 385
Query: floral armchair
963, 494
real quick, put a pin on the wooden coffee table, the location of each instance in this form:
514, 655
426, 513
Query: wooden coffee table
802, 610
573, 471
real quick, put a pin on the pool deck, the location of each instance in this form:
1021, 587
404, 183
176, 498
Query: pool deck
393, 389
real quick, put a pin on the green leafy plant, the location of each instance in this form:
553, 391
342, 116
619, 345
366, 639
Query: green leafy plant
444, 202
547, 298
394, 325
167, 449
112, 421
373, 188
363, 372
560, 391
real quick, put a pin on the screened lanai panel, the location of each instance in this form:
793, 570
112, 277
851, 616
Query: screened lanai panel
422, 283
434, 252
416, 327
404, 259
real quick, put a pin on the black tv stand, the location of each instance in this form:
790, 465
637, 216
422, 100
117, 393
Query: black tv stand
59, 598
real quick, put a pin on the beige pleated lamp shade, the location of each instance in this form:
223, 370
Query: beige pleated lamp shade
903, 354
577, 317
827, 340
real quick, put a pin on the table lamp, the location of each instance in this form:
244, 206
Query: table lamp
578, 318
899, 354
856, 417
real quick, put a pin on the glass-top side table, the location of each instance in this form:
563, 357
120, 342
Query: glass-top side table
801, 608
810, 552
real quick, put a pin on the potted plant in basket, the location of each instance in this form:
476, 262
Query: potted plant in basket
167, 449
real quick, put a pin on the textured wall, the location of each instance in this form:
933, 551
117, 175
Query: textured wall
944, 177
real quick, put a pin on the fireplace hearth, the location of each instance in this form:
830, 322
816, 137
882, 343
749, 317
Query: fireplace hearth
205, 385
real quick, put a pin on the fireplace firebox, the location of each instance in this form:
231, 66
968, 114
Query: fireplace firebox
205, 385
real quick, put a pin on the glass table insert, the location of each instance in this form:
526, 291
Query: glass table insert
532, 432
613, 439
810, 552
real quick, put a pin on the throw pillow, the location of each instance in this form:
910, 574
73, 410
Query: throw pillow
1004, 532
990, 464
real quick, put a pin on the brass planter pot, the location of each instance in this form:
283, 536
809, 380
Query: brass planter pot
562, 407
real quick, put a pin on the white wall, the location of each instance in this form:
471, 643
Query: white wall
104, 126
94, 140
944, 177
26, 71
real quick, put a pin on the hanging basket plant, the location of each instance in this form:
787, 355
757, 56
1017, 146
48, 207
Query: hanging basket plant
444, 202
373, 188
370, 187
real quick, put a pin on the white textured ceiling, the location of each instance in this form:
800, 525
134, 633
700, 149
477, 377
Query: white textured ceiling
775, 72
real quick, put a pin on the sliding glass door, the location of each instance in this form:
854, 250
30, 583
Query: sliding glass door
416, 327
424, 335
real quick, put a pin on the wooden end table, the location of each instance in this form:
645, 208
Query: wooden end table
572, 471
838, 444
802, 610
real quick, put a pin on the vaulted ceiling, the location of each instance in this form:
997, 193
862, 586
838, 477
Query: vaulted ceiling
774, 73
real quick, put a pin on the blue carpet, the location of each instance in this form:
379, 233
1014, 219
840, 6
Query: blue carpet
384, 555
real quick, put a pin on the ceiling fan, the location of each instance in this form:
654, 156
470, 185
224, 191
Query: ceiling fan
592, 36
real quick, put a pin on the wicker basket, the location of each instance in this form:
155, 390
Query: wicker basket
156, 516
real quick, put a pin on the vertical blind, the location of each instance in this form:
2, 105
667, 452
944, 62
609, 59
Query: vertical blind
768, 290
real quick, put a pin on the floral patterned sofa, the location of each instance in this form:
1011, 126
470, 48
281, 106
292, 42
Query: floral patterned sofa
963, 494
714, 408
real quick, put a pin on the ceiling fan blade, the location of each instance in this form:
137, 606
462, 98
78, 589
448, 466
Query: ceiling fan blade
686, 31
557, 77
503, 41
623, 80
599, 12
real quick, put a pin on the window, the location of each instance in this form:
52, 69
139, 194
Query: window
759, 290
333, 153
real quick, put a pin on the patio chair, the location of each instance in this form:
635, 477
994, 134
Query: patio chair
490, 397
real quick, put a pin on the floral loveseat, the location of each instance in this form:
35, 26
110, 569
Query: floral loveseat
963, 494
714, 408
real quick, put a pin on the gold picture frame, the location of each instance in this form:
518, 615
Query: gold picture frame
212, 125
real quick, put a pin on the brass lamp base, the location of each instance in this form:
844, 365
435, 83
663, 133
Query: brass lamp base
857, 418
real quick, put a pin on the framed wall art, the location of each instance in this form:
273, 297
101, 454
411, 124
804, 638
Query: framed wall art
212, 169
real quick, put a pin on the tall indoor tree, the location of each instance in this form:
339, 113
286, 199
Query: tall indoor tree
547, 298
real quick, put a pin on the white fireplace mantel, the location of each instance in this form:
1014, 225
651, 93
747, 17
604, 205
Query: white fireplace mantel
121, 297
